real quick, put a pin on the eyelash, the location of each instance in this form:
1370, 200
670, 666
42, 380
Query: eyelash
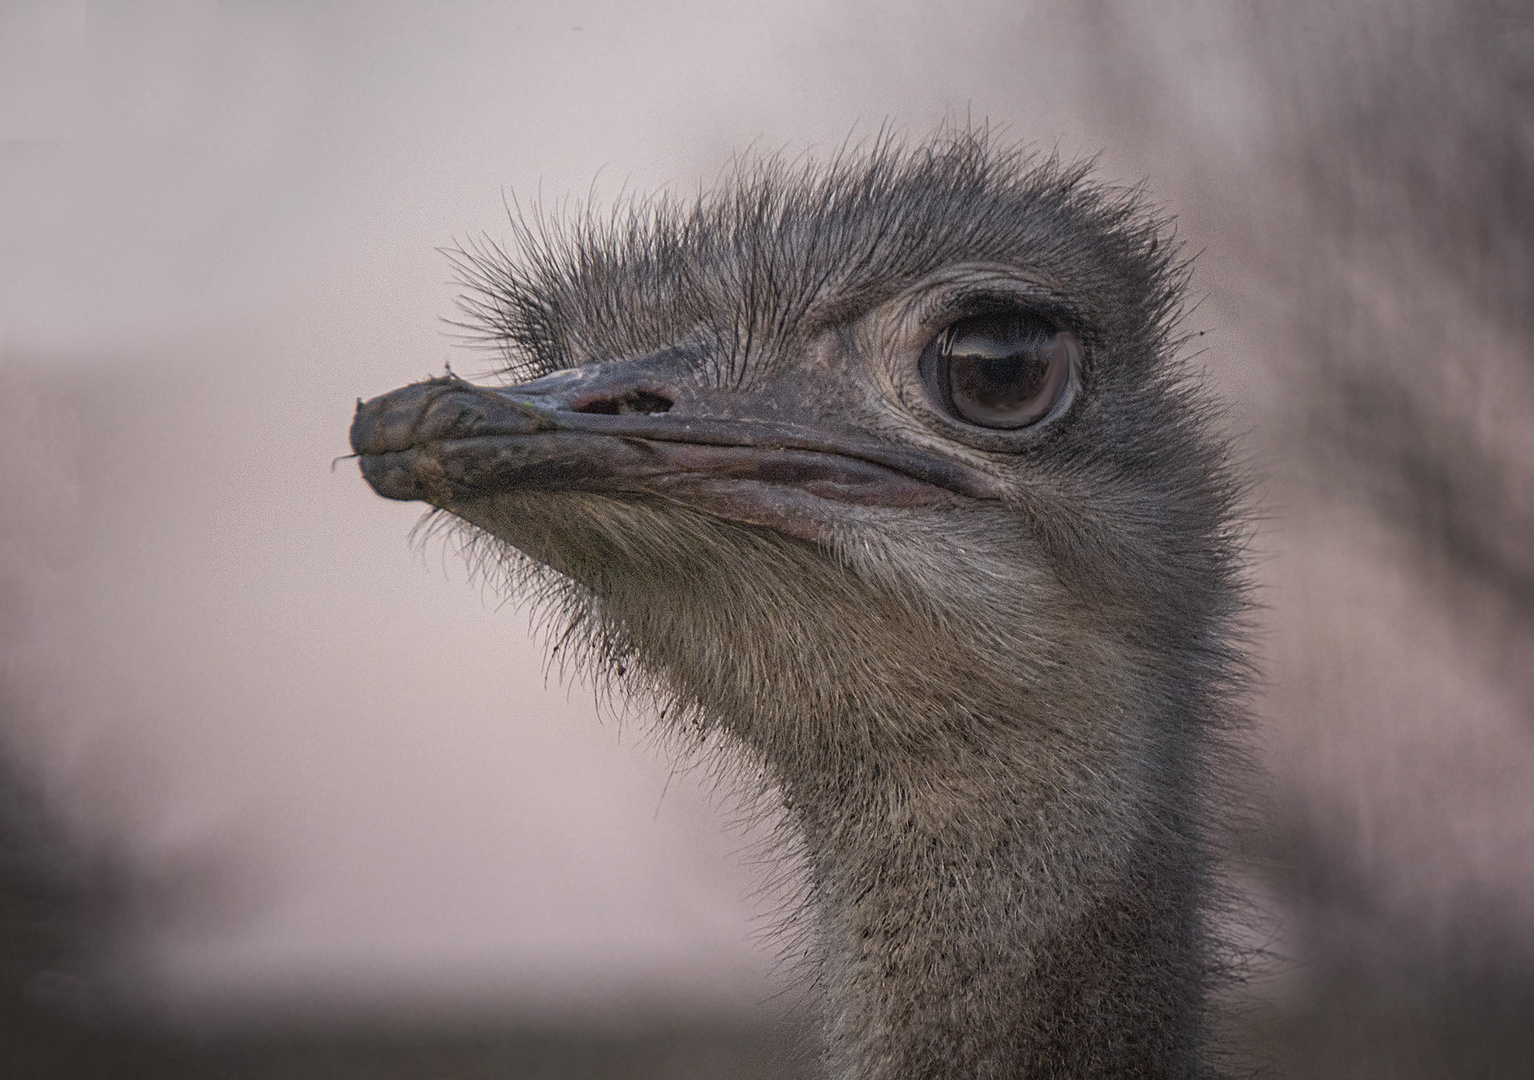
971, 303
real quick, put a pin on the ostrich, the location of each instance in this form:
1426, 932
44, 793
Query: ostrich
882, 478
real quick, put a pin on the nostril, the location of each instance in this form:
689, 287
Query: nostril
635, 401
645, 401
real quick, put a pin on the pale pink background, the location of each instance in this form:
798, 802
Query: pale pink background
328, 768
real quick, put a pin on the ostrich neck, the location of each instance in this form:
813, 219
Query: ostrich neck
996, 788
1001, 928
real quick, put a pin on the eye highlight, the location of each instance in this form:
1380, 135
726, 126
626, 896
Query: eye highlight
1005, 370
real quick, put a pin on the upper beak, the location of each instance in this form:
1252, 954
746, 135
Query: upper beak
641, 427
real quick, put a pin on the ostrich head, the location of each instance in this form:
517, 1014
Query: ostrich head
883, 478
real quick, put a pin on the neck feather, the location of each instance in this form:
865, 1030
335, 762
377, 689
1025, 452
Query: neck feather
977, 922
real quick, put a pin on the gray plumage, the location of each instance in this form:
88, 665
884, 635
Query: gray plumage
984, 668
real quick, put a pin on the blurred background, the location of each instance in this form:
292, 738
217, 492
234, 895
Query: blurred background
286, 793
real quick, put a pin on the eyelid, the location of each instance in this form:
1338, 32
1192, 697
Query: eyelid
970, 301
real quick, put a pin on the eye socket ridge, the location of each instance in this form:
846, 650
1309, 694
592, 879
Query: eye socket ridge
1005, 368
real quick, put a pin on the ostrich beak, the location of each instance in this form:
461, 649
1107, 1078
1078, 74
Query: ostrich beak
643, 427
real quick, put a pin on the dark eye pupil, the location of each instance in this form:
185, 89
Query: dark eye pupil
1006, 371
1003, 383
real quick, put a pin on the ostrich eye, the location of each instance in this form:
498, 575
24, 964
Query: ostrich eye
1005, 370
